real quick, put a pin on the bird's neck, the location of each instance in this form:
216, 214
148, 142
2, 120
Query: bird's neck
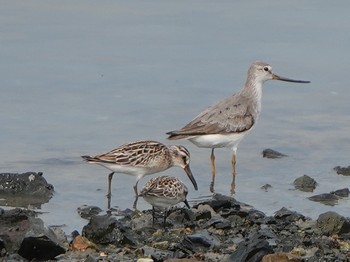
252, 90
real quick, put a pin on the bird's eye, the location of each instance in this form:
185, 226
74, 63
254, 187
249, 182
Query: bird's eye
266, 69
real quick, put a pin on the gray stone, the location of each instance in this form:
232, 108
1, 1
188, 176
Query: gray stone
158, 255
87, 212
305, 183
288, 215
252, 249
270, 153
200, 241
332, 223
345, 171
326, 199
21, 232
344, 192
21, 190
106, 229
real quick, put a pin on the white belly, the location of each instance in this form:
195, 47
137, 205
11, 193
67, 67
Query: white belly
217, 141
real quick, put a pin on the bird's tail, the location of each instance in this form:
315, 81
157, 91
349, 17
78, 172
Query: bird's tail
174, 135
88, 159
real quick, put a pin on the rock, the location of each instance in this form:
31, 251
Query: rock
326, 198
200, 241
27, 235
256, 216
252, 249
345, 171
270, 153
146, 260
81, 243
203, 212
280, 257
344, 192
266, 187
181, 260
305, 183
216, 204
288, 215
218, 222
107, 229
180, 217
332, 223
157, 255
87, 212
22, 190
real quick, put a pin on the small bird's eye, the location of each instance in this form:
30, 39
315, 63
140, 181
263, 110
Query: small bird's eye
266, 69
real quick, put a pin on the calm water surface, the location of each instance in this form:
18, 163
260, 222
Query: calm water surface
83, 77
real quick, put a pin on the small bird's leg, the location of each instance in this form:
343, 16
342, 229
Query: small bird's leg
233, 184
136, 196
212, 158
109, 194
166, 212
153, 214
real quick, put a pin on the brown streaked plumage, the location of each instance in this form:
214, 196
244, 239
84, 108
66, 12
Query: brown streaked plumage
162, 192
143, 158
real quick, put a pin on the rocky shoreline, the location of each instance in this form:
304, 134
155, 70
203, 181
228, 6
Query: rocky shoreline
216, 229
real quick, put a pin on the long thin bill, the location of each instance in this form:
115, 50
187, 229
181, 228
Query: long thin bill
276, 77
190, 176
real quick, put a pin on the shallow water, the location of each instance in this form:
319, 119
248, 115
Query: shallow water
84, 77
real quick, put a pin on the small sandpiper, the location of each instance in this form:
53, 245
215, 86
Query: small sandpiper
227, 122
163, 192
143, 158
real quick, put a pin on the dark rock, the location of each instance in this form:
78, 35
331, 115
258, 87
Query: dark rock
21, 190
326, 198
22, 232
107, 229
220, 202
288, 215
256, 216
87, 212
270, 153
216, 205
40, 247
332, 223
218, 223
252, 249
221, 197
203, 212
235, 220
200, 241
181, 216
305, 183
345, 171
344, 192
266, 187
158, 255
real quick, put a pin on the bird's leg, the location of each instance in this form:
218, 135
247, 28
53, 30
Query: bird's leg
233, 184
153, 214
109, 194
166, 212
212, 158
136, 195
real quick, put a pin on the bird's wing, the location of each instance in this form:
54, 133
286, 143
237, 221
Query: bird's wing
231, 115
136, 154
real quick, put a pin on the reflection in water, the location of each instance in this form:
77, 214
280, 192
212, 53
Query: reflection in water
28, 190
